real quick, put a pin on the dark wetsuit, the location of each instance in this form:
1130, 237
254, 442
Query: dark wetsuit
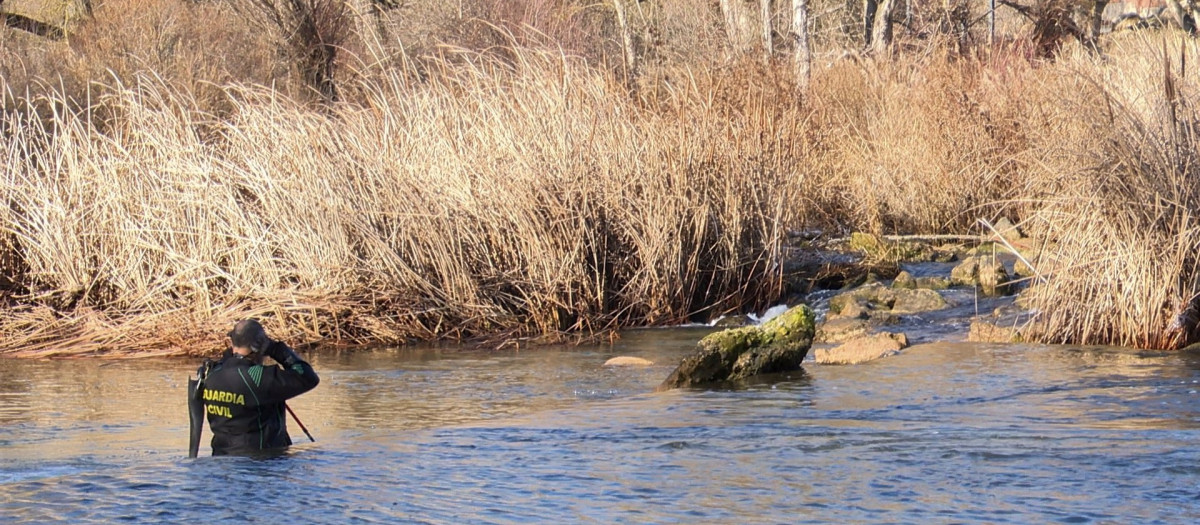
245, 400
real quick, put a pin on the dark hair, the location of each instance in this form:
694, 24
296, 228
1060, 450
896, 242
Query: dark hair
246, 334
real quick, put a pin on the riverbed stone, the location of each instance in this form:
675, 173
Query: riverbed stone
933, 283
842, 329
855, 310
779, 345
904, 281
986, 272
872, 296
916, 301
625, 360
985, 331
863, 349
1009, 231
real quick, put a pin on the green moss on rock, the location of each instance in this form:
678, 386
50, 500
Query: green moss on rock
779, 345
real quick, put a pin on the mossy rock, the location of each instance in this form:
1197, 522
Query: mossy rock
779, 345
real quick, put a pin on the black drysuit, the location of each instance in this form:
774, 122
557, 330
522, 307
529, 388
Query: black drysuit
245, 400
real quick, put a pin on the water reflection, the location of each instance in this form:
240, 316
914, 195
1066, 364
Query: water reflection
942, 433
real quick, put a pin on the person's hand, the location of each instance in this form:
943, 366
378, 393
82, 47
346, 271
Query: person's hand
281, 353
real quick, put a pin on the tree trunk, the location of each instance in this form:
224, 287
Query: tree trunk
1181, 16
737, 26
629, 53
802, 55
881, 30
1097, 12
869, 9
765, 14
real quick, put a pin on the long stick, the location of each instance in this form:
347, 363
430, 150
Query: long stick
302, 427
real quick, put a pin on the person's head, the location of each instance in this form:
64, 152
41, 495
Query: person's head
248, 338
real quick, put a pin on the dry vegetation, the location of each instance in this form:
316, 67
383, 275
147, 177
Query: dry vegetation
491, 168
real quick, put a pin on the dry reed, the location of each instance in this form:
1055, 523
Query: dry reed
506, 185
530, 199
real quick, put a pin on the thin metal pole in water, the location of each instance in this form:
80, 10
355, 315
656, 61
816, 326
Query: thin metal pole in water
302, 427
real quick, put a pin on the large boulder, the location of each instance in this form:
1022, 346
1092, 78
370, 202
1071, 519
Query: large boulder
779, 345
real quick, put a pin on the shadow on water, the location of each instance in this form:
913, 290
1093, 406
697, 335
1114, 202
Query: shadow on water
943, 433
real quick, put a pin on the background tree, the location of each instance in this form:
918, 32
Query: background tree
309, 32
802, 53
880, 30
737, 26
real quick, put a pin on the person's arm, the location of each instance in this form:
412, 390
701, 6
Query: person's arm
294, 378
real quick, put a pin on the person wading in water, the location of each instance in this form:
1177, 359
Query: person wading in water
243, 398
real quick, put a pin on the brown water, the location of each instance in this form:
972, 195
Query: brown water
941, 433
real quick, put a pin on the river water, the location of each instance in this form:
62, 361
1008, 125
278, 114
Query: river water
948, 432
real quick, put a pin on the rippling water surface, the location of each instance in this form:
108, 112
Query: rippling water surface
941, 433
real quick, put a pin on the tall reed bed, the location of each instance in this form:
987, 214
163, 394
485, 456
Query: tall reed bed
526, 192
1113, 171
527, 198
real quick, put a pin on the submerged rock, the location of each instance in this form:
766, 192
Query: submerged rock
990, 332
624, 360
779, 345
863, 349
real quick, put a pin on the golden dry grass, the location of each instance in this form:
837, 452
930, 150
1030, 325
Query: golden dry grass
530, 199
480, 179
1113, 168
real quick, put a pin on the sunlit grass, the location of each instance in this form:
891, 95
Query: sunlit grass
526, 192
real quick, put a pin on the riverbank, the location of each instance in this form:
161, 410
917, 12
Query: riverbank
533, 195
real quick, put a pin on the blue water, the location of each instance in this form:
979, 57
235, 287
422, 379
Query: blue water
943, 433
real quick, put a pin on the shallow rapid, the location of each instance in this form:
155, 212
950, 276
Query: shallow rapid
948, 432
